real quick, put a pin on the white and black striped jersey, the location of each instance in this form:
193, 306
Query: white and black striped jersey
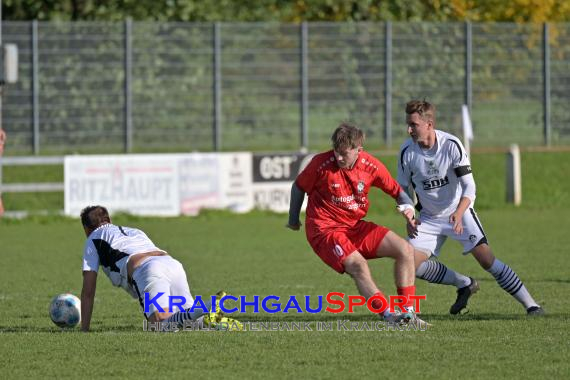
434, 173
110, 246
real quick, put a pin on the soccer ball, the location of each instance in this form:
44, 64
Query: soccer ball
65, 310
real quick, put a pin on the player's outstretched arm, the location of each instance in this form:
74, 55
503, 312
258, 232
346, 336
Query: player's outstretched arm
87, 298
295, 204
406, 208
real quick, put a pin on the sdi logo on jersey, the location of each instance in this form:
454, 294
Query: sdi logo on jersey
434, 183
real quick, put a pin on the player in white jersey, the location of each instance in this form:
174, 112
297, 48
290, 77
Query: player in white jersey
133, 262
435, 164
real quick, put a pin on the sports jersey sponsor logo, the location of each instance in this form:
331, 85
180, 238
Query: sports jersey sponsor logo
349, 202
434, 183
338, 250
432, 169
343, 199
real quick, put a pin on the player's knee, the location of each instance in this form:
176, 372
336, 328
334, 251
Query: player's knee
420, 257
355, 264
484, 256
405, 252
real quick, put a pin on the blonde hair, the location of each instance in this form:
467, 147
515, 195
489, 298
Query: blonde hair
425, 109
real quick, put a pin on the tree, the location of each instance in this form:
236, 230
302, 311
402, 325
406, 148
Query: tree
536, 11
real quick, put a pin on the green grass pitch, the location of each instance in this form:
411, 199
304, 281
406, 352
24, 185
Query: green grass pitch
219, 251
254, 254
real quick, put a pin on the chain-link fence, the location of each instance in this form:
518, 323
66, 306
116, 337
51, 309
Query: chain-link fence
144, 87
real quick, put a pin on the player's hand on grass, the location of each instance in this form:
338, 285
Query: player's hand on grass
294, 227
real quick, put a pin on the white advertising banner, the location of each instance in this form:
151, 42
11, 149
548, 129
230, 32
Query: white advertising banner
215, 180
235, 181
273, 196
199, 182
159, 184
138, 184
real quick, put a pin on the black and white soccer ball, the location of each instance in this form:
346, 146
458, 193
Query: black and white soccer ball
65, 310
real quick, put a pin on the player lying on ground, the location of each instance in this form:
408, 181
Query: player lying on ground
132, 261
337, 183
436, 165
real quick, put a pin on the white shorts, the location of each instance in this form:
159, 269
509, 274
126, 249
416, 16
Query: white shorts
162, 274
433, 232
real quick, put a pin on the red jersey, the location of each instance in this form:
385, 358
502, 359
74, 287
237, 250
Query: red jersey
339, 197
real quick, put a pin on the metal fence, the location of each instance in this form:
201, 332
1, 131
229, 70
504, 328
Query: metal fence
146, 87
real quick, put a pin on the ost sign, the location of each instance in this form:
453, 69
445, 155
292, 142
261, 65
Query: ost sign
273, 175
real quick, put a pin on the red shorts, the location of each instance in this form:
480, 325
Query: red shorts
335, 246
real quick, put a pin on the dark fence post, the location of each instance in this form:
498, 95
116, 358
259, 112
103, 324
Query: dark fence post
128, 86
304, 71
35, 90
468, 66
546, 86
388, 86
217, 89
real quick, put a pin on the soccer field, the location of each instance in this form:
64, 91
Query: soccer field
254, 254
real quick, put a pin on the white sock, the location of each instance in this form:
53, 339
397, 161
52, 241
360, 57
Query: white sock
511, 283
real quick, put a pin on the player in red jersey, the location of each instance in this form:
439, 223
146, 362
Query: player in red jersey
337, 183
